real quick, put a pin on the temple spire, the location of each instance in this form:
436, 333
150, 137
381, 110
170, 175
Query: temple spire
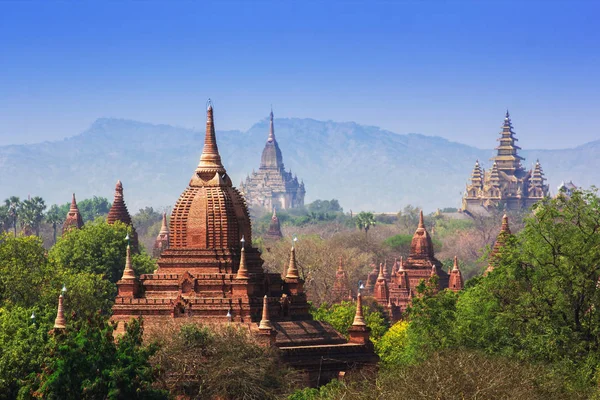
421, 221
503, 236
162, 239
292, 272
265, 323
243, 270
271, 129
359, 319
210, 160
73, 219
60, 321
456, 281
128, 272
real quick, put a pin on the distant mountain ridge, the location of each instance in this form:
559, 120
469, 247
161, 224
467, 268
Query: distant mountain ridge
364, 167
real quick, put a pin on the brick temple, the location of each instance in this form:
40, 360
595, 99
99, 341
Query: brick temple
272, 186
394, 291
506, 183
211, 273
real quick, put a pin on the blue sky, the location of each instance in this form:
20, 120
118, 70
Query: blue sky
443, 68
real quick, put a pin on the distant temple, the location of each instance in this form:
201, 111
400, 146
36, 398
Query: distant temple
73, 219
272, 187
211, 273
341, 286
274, 232
507, 183
118, 212
395, 291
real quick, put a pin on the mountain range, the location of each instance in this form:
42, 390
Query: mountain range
364, 167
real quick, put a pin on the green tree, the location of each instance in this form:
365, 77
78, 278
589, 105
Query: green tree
55, 219
21, 346
13, 204
408, 218
86, 362
98, 248
341, 316
32, 214
364, 221
24, 270
542, 301
93, 208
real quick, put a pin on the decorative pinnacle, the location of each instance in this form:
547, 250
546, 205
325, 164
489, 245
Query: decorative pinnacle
421, 222
455, 266
341, 265
210, 160
380, 276
401, 267
292, 272
119, 189
505, 227
265, 323
271, 129
73, 204
433, 270
359, 320
507, 116
128, 273
60, 322
164, 229
243, 270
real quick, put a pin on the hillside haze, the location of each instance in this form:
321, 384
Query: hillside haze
366, 168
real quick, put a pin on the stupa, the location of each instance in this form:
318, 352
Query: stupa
118, 212
162, 239
211, 273
73, 219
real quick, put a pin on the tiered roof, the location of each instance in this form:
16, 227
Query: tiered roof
118, 212
507, 157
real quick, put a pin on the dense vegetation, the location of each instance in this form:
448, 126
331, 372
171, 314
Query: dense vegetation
528, 330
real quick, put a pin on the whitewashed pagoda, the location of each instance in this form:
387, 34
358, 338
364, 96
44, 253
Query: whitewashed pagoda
272, 187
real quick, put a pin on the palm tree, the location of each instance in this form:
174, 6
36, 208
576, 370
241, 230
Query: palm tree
32, 214
5, 220
365, 220
54, 218
14, 207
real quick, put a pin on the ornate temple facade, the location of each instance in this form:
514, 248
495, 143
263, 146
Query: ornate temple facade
394, 291
73, 219
211, 273
272, 186
506, 183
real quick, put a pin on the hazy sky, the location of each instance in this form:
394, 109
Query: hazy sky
433, 67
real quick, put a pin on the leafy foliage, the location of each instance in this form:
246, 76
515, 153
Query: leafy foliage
86, 362
98, 248
341, 315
